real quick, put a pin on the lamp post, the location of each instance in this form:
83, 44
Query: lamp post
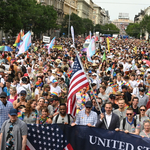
69, 19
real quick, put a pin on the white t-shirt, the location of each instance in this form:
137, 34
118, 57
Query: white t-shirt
1, 81
36, 91
56, 89
27, 86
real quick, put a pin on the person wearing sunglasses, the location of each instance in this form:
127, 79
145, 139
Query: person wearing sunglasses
142, 116
86, 116
129, 124
95, 108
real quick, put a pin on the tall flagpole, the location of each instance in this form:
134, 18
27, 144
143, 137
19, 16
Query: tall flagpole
72, 32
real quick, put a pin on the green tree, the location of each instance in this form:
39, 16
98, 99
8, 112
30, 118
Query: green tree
98, 28
133, 29
87, 25
75, 21
110, 29
145, 24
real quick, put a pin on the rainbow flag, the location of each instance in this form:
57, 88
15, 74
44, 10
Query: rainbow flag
18, 39
54, 93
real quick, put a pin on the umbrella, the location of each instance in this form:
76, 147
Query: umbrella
84, 49
5, 48
147, 61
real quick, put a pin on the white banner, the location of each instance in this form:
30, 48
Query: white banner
72, 33
46, 39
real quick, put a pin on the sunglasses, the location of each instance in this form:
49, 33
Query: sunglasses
46, 102
23, 94
88, 107
129, 114
142, 109
84, 89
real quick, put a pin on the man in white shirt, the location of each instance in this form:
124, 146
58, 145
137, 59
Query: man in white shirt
111, 119
94, 76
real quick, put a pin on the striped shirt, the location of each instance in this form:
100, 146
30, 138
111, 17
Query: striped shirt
4, 111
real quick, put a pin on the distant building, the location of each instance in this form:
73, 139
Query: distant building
138, 18
122, 22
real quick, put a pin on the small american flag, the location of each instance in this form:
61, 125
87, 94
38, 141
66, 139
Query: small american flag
78, 81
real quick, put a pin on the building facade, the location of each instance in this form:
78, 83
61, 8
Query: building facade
85, 9
105, 19
70, 6
97, 16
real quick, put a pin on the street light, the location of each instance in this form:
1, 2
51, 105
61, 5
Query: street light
69, 19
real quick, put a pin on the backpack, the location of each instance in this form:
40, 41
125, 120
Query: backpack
124, 122
67, 116
29, 94
67, 80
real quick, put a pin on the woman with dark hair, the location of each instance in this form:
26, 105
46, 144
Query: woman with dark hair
44, 118
19, 74
140, 118
31, 114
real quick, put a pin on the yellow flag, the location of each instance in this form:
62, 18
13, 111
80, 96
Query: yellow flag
108, 44
135, 49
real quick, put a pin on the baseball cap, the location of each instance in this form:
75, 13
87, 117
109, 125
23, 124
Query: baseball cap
88, 104
3, 94
94, 74
54, 81
26, 75
112, 96
13, 112
141, 89
23, 92
118, 93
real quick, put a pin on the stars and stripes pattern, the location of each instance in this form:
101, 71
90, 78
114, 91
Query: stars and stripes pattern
77, 82
46, 137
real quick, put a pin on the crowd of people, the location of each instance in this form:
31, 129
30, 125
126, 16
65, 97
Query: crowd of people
34, 87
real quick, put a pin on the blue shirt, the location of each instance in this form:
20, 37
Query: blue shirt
83, 119
6, 91
4, 111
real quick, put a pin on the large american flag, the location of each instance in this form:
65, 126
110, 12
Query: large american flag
46, 137
77, 82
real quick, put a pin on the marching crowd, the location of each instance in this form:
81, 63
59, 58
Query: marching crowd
34, 87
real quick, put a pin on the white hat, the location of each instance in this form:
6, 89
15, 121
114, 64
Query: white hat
94, 74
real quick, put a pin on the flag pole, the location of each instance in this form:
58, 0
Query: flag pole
72, 33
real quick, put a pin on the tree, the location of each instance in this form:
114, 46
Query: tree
110, 29
75, 21
133, 29
145, 24
26, 14
98, 28
87, 25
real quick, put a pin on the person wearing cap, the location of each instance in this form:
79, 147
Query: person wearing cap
13, 133
95, 80
86, 116
143, 98
49, 77
21, 101
5, 107
54, 87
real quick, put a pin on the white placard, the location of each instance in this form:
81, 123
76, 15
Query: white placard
46, 39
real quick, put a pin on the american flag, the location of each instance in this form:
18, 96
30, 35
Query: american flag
78, 81
46, 137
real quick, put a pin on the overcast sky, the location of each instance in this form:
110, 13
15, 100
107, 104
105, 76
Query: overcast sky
133, 7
